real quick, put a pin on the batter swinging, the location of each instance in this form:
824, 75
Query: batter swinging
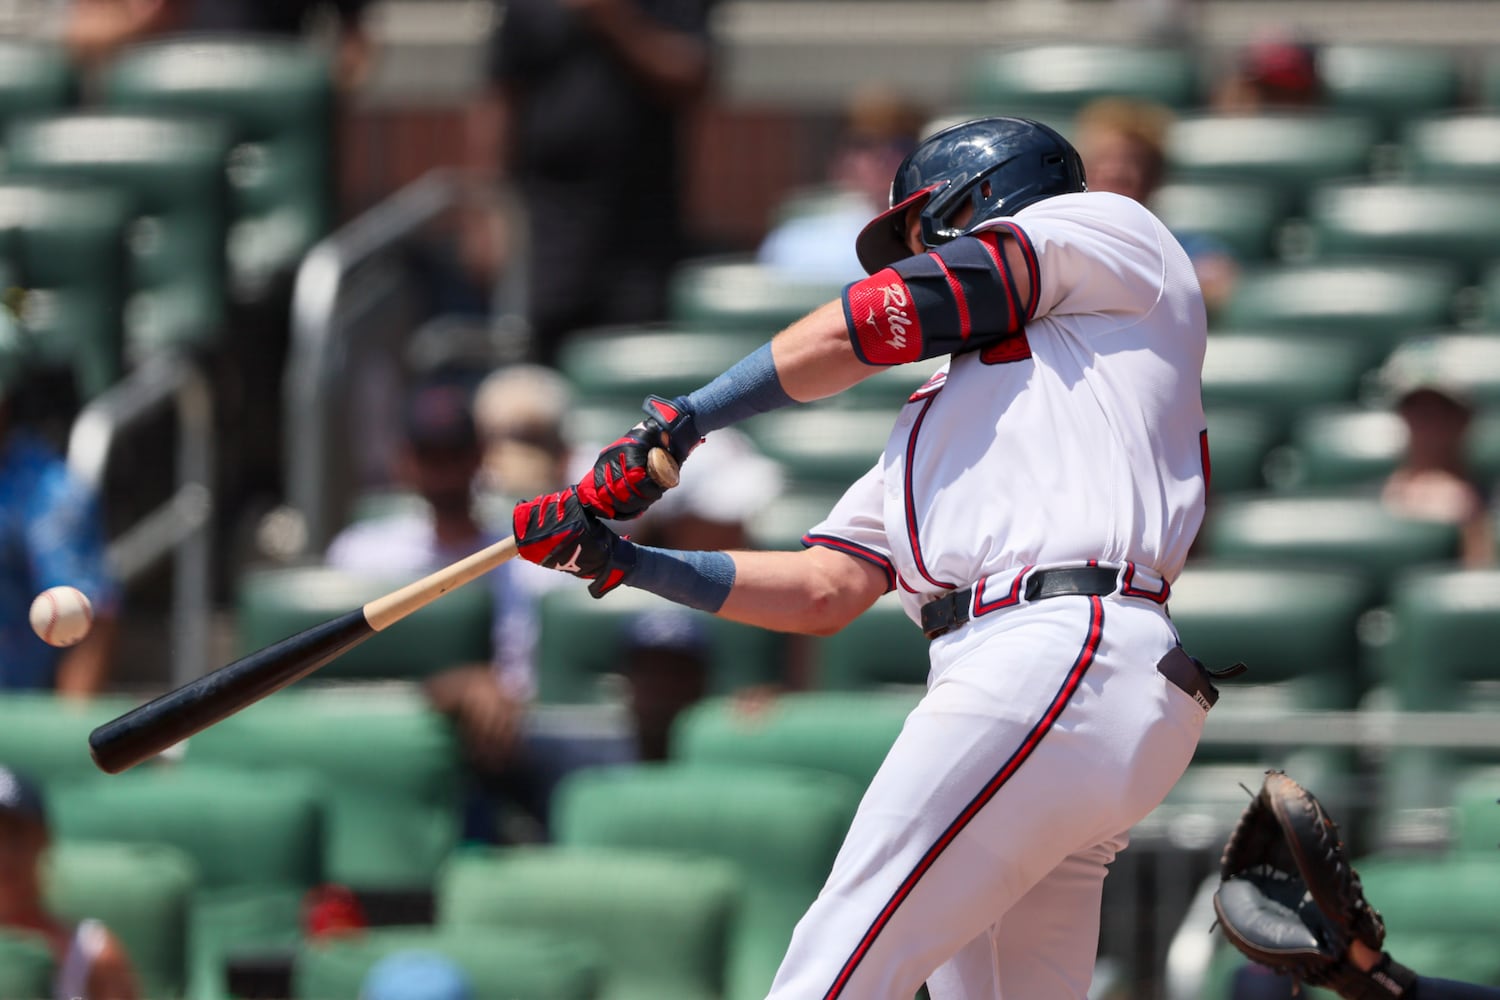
1034, 502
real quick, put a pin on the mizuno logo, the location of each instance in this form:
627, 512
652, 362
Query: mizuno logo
571, 566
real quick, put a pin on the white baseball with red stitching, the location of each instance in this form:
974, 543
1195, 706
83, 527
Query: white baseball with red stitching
62, 616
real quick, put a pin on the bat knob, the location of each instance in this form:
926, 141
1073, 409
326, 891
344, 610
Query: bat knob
663, 468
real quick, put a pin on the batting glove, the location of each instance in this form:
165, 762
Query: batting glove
556, 532
620, 487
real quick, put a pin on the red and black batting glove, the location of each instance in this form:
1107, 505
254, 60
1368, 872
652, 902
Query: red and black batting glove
620, 487
556, 532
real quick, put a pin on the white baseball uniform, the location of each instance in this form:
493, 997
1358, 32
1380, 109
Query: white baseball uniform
977, 858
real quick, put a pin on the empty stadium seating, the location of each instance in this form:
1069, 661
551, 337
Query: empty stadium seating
387, 769
1239, 441
35, 78
1442, 220
277, 97
173, 171
881, 647
1391, 83
66, 244
660, 922
620, 366
1277, 375
734, 294
1459, 146
1063, 77
275, 603
780, 827
26, 965
823, 447
1243, 217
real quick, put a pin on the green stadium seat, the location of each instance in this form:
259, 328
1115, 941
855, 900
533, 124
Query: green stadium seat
1239, 441
277, 602
779, 827
46, 737
881, 647
1065, 77
1456, 147
1276, 376
26, 965
35, 78
1442, 646
1389, 82
619, 367
66, 244
1489, 82
1339, 530
578, 644
1245, 218
1348, 446
240, 827
822, 447
1446, 221
736, 295
1376, 300
1468, 361
1491, 294
1295, 629
142, 892
1476, 801
173, 171
517, 964
278, 96
842, 732
388, 768
661, 922
1284, 151
235, 923
783, 521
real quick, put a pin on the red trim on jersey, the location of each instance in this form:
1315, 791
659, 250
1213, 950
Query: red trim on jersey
1043, 726
990, 240
869, 555
1128, 589
930, 387
1012, 598
1008, 351
901, 582
1028, 253
1208, 470
960, 300
911, 502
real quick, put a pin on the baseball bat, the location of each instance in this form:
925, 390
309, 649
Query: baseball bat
151, 728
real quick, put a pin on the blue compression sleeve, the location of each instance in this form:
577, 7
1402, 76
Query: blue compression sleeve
699, 580
749, 387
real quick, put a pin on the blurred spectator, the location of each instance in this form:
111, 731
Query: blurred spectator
414, 975
1433, 481
91, 964
51, 533
521, 411
583, 114
880, 129
1123, 145
438, 460
665, 659
96, 29
1275, 71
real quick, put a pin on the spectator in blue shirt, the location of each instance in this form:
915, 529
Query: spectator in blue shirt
51, 533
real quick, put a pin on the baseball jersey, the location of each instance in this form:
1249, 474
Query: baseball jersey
1083, 437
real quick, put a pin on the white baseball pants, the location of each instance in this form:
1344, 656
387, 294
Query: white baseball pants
977, 857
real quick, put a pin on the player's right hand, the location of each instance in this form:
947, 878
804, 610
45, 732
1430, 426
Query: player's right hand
620, 487
555, 531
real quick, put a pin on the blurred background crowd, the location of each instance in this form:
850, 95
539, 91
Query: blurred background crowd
299, 298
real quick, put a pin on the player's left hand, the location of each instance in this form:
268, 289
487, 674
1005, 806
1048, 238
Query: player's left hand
620, 487
555, 531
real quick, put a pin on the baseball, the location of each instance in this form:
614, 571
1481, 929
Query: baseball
62, 616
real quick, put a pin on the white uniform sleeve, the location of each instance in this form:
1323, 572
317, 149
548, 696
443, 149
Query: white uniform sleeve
856, 525
1093, 253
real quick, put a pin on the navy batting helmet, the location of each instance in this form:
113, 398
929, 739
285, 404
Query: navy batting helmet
997, 165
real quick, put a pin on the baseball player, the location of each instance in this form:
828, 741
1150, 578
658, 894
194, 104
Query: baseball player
1034, 501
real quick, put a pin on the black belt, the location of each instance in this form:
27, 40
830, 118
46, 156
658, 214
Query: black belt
947, 613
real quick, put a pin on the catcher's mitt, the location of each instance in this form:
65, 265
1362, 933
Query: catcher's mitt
1290, 900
